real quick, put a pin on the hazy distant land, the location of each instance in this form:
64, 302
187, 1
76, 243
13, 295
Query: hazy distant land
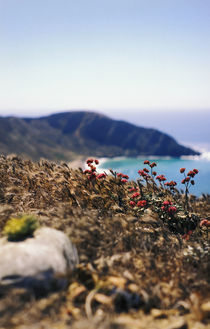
72, 135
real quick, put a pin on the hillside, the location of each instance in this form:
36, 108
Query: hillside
65, 136
137, 268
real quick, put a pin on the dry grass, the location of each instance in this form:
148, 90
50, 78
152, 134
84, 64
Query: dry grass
133, 273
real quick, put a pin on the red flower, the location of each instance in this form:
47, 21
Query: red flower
141, 203
161, 178
196, 171
163, 208
191, 173
124, 181
142, 173
101, 176
192, 182
146, 170
171, 183
172, 210
120, 175
132, 203
133, 189
89, 161
187, 179
153, 165
183, 181
182, 170
135, 195
167, 203
205, 222
96, 162
146, 162
167, 184
125, 176
154, 173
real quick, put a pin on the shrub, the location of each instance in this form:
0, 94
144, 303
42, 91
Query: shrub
20, 228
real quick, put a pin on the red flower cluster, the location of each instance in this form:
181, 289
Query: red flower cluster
152, 165
90, 160
123, 177
135, 195
126, 176
102, 175
188, 182
133, 189
167, 203
92, 171
161, 178
171, 183
141, 203
172, 210
191, 173
132, 203
187, 179
154, 173
146, 170
143, 173
205, 222
168, 208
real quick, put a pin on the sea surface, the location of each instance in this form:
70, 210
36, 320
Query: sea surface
167, 166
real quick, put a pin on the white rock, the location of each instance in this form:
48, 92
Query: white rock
48, 253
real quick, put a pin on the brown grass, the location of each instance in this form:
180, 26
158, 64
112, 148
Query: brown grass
133, 273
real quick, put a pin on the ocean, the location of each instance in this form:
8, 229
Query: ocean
167, 166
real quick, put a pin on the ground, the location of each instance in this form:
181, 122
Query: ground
135, 271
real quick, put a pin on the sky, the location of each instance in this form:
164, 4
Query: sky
131, 59
104, 54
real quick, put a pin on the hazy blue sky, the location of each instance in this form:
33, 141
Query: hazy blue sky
104, 55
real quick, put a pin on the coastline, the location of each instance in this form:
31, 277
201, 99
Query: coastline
165, 165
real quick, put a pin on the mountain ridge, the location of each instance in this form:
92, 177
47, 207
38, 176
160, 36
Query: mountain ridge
66, 135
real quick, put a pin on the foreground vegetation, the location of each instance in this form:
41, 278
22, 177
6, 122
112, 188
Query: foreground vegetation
143, 247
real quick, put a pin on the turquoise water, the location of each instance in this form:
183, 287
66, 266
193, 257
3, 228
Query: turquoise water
168, 167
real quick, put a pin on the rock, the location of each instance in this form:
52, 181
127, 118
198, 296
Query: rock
38, 262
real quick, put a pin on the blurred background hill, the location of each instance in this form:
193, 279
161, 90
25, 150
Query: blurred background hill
65, 136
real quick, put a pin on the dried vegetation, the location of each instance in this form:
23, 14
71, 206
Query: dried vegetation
133, 273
